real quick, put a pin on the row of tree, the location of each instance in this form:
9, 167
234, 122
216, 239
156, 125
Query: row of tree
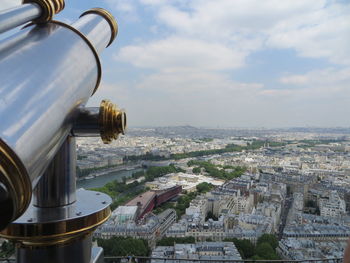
124, 246
265, 248
155, 171
204, 187
87, 171
214, 171
256, 144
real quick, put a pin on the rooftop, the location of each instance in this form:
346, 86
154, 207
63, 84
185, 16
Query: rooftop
142, 199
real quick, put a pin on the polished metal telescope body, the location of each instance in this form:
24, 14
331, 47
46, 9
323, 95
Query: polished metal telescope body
32, 10
17, 16
47, 72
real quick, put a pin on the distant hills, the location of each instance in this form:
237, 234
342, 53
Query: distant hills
196, 132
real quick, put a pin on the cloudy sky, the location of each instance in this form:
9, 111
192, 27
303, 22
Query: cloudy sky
226, 63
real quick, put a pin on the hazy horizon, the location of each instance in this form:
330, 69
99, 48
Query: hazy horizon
243, 127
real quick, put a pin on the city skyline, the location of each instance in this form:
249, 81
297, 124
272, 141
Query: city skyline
226, 63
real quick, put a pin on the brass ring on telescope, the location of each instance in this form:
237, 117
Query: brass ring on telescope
48, 7
15, 178
112, 121
59, 5
98, 62
57, 232
109, 18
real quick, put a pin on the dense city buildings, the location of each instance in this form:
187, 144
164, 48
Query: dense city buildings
235, 185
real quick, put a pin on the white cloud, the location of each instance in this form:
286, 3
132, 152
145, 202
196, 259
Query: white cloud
329, 77
127, 9
219, 35
295, 80
176, 53
113, 92
195, 98
194, 82
192, 65
316, 98
314, 28
225, 16
330, 84
209, 36
213, 99
323, 33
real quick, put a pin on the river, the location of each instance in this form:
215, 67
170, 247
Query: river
103, 179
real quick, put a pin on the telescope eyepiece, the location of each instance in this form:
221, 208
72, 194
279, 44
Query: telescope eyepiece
106, 121
15, 186
112, 121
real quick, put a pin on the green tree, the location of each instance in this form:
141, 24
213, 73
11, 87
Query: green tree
124, 179
124, 246
256, 257
204, 187
196, 170
265, 251
270, 239
7, 249
255, 144
244, 246
138, 174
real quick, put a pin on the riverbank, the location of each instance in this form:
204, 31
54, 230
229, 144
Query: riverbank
107, 176
108, 170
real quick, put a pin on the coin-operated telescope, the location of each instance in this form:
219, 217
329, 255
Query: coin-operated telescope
48, 71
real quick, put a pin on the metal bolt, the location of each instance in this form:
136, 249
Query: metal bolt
30, 220
78, 213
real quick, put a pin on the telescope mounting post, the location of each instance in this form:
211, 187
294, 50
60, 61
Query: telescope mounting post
58, 225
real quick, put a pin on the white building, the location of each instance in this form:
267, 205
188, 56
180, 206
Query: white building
124, 214
333, 206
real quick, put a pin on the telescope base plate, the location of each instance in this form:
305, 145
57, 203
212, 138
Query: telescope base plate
55, 225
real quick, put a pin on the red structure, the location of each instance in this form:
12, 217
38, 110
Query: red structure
145, 202
163, 196
151, 199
